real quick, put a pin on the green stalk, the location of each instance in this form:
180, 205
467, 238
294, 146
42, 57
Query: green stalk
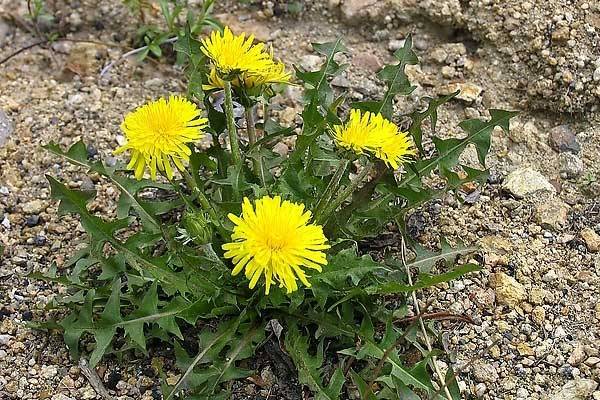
331, 188
204, 202
347, 192
231, 128
250, 124
257, 163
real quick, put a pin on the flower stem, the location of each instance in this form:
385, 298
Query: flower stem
231, 128
250, 124
333, 205
257, 163
331, 188
204, 202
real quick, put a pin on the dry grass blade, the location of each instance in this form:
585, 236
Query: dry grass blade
436, 368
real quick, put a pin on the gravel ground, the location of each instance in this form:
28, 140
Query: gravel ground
535, 304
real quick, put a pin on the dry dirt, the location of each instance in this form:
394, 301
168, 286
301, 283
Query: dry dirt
535, 304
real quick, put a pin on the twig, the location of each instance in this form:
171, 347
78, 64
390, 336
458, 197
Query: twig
22, 49
382, 360
94, 379
436, 368
129, 54
438, 316
45, 41
464, 367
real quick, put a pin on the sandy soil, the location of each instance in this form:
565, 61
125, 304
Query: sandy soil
535, 304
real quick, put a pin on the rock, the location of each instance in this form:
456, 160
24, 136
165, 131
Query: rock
562, 139
468, 91
341, 81
561, 35
480, 389
6, 128
281, 148
577, 356
484, 298
484, 372
523, 133
496, 250
353, 10
5, 339
6, 31
34, 207
32, 220
154, 83
61, 396
48, 371
525, 350
552, 214
579, 389
310, 62
591, 239
590, 362
395, 44
571, 166
550, 276
420, 43
537, 295
525, 181
538, 315
367, 62
508, 290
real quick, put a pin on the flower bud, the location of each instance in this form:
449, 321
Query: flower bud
197, 227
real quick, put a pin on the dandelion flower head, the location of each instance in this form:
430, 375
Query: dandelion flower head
371, 133
275, 240
158, 134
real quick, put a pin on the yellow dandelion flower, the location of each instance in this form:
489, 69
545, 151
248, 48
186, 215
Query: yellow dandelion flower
276, 73
157, 134
237, 58
396, 150
235, 54
274, 238
372, 133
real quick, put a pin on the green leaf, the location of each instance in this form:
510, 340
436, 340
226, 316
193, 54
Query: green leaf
77, 155
343, 273
319, 98
211, 344
431, 112
363, 388
370, 218
425, 259
347, 265
424, 281
449, 150
308, 366
106, 327
396, 80
77, 323
102, 232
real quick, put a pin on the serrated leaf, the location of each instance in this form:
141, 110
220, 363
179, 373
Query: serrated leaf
308, 366
418, 117
363, 388
424, 281
211, 343
396, 80
100, 231
77, 155
77, 323
344, 270
425, 259
105, 328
